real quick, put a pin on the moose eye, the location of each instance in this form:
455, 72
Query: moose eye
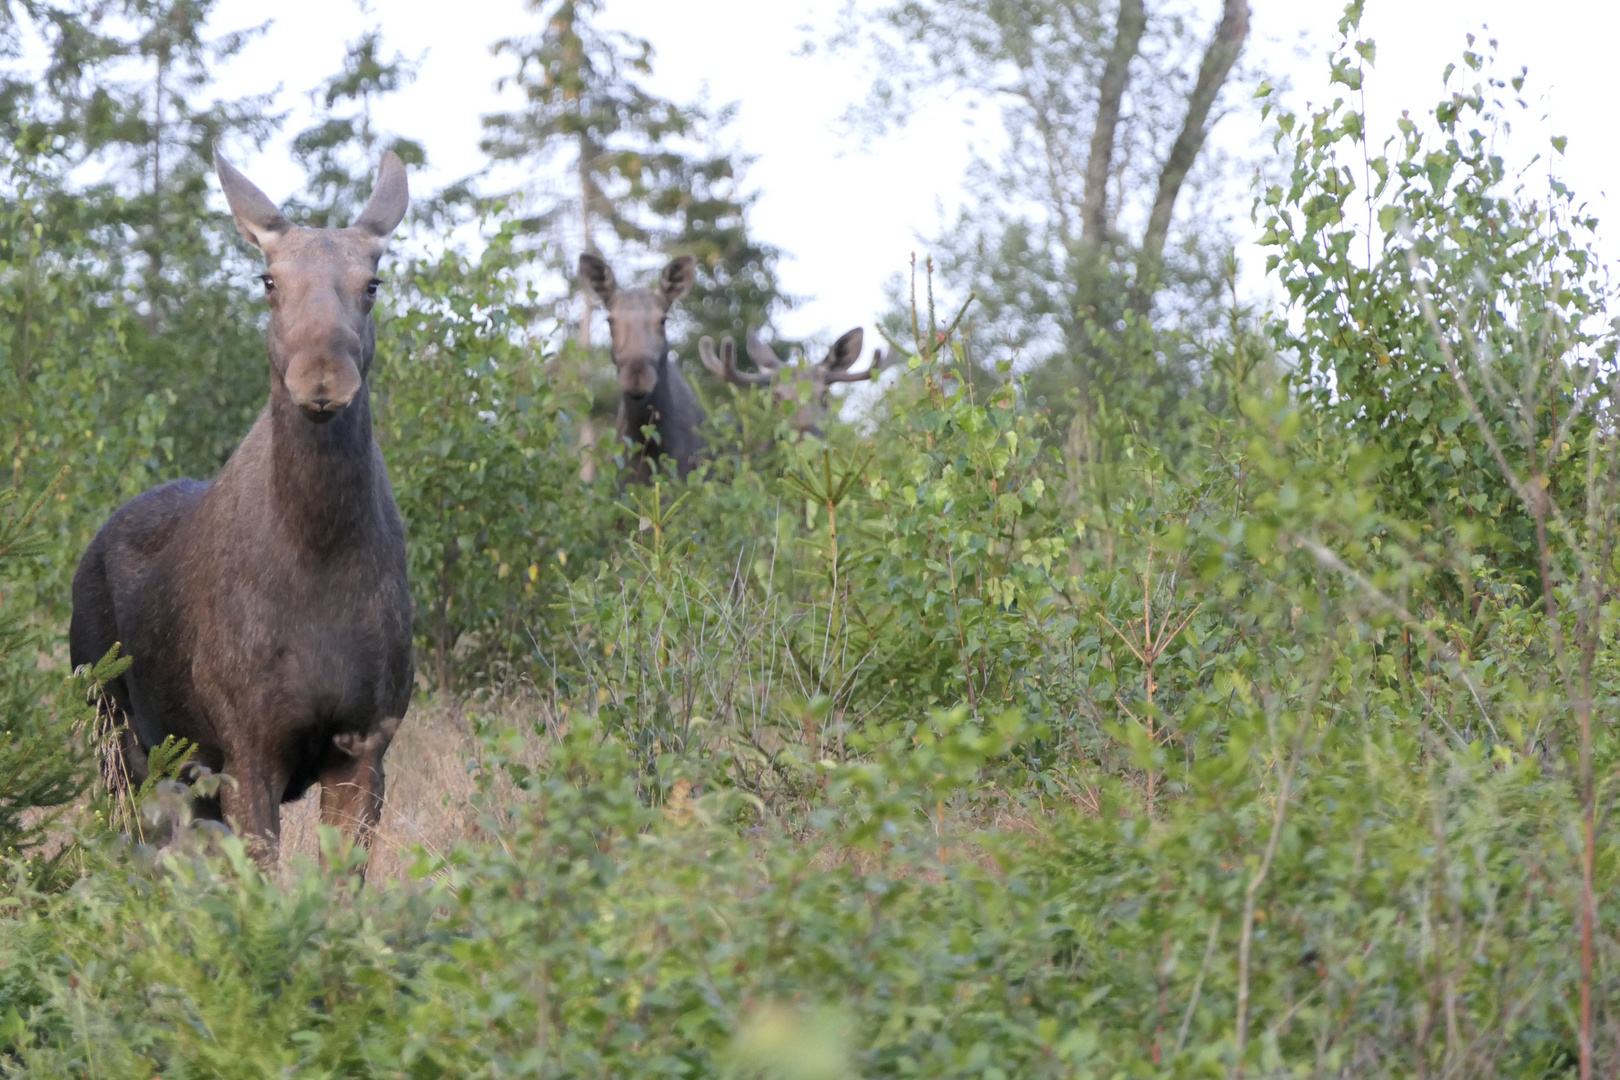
269, 283
371, 287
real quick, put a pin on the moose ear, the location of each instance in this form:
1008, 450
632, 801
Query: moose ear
599, 276
257, 218
389, 199
676, 279
846, 350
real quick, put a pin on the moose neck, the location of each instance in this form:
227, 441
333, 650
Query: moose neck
652, 409
322, 474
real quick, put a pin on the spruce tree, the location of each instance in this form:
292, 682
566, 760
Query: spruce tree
340, 151
619, 171
46, 752
126, 103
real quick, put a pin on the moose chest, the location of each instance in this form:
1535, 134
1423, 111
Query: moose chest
323, 642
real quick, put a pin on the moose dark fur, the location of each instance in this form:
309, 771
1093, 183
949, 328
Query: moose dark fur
267, 612
652, 391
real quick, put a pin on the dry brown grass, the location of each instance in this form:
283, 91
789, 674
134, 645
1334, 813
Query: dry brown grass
430, 790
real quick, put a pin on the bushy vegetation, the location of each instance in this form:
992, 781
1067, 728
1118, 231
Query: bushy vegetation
48, 734
935, 746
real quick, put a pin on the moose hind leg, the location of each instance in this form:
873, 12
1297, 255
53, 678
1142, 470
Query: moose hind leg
352, 785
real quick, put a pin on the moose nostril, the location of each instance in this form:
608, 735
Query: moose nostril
322, 408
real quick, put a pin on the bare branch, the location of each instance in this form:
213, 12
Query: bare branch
1327, 558
1252, 893
1198, 983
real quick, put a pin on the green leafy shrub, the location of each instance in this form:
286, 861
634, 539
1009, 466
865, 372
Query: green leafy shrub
472, 430
1466, 259
915, 750
65, 375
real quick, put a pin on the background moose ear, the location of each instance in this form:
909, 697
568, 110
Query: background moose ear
846, 350
598, 276
390, 198
677, 278
257, 218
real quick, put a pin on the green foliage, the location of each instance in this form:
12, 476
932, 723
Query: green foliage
947, 747
64, 362
127, 93
972, 548
46, 749
35, 772
603, 937
1471, 265
470, 424
126, 354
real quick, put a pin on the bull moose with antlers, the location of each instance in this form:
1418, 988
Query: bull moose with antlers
785, 378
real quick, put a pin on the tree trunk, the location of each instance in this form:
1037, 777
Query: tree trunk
585, 226
444, 638
154, 250
1212, 74
1110, 95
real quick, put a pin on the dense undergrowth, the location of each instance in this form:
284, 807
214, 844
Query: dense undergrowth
930, 749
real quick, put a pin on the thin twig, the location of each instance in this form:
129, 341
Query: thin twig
1329, 559
1198, 983
1250, 895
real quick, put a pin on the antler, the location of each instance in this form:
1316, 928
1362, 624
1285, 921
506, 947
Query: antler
760, 353
886, 358
834, 368
725, 365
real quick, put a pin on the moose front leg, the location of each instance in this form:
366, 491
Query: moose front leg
352, 784
252, 807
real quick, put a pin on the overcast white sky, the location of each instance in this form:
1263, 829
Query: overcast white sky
850, 215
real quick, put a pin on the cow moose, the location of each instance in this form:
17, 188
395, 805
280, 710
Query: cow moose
652, 392
785, 379
267, 612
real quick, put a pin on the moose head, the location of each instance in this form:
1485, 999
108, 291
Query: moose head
321, 285
636, 319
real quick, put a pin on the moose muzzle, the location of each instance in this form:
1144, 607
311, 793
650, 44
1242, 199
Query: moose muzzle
638, 378
323, 386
